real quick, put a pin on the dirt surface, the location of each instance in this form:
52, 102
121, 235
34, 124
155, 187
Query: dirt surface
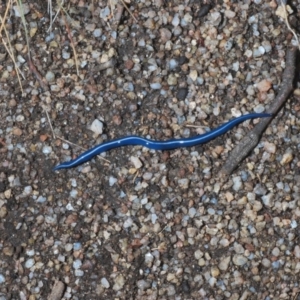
146, 224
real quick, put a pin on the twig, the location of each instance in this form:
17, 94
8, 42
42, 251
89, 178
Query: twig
250, 141
49, 121
129, 10
288, 24
49, 9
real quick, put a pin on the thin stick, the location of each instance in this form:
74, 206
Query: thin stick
250, 141
288, 24
49, 9
129, 10
48, 117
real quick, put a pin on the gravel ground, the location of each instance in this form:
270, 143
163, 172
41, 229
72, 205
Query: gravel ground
145, 224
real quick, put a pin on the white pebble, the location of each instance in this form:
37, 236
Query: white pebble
267, 45
259, 108
259, 51
239, 260
149, 258
144, 201
173, 64
105, 283
97, 32
136, 162
97, 127
29, 263
215, 18
112, 180
176, 20
128, 223
270, 147
47, 149
229, 14
155, 85
105, 12
21, 11
147, 176
198, 254
252, 19
69, 206
237, 183
2, 279
30, 252
212, 281
69, 247
153, 218
78, 272
77, 264
297, 251
65, 54
192, 212
50, 76
294, 224
21, 59
27, 190
224, 263
73, 193
236, 66
41, 199
141, 43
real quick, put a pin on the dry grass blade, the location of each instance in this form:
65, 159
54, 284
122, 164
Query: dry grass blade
49, 9
9, 47
21, 9
124, 4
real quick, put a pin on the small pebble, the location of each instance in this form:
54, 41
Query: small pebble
136, 162
50, 77
224, 263
77, 264
155, 86
182, 93
239, 260
259, 51
264, 85
287, 157
97, 127
270, 147
29, 263
2, 280
105, 283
